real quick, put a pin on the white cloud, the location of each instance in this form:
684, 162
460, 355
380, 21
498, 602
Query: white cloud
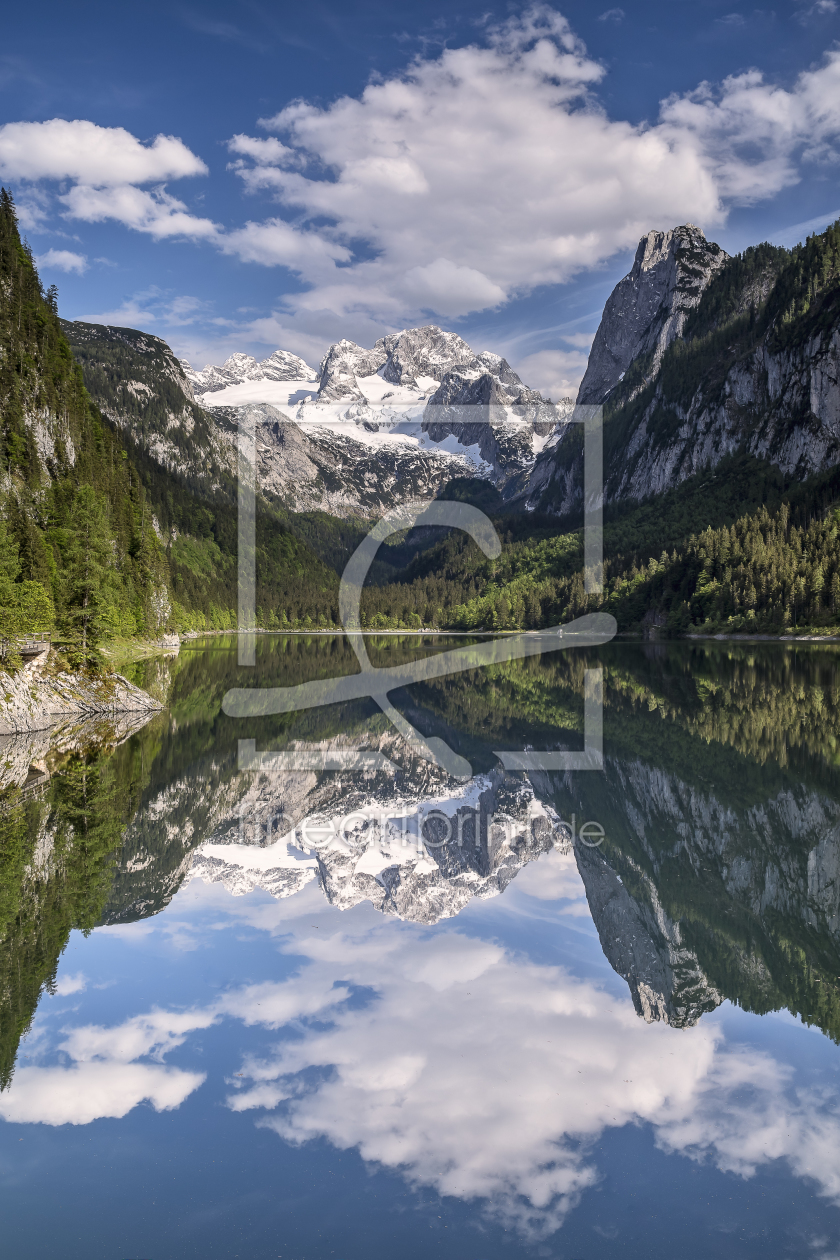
156, 212
66, 985
478, 174
751, 134
480, 1075
822, 8
468, 179
104, 1077
555, 373
63, 260
270, 150
88, 154
105, 165
580, 340
90, 1091
276, 242
611, 15
152, 309
469, 1069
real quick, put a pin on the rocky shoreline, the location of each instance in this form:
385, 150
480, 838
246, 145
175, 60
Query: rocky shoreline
40, 695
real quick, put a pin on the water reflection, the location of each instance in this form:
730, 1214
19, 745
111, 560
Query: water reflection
472, 1046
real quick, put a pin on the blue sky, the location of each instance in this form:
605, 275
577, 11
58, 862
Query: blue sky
253, 175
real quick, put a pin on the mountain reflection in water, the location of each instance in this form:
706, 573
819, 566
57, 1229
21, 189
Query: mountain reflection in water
406, 1015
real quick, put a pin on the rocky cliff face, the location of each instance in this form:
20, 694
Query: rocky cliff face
648, 308
416, 359
644, 945
782, 405
769, 871
326, 466
420, 856
386, 425
699, 357
136, 381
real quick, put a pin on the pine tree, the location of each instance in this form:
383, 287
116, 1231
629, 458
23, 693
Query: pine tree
88, 554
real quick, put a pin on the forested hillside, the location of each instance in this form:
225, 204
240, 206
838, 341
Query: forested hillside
98, 540
771, 570
185, 457
77, 548
748, 542
119, 497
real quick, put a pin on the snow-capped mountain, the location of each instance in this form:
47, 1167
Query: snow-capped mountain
279, 366
374, 427
403, 835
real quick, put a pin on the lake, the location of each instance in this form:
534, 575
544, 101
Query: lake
284, 985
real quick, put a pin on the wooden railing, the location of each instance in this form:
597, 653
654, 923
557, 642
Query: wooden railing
26, 645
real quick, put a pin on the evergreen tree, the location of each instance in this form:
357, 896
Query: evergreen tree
88, 552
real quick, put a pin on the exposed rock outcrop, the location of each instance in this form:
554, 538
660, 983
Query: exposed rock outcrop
402, 835
362, 447
40, 696
648, 308
342, 363
643, 944
418, 859
423, 352
723, 357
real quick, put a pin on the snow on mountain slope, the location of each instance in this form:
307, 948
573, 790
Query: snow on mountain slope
417, 846
279, 366
400, 419
376, 428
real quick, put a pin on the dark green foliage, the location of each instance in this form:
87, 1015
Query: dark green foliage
109, 359
805, 299
740, 288
87, 572
781, 570
76, 455
139, 386
83, 810
767, 570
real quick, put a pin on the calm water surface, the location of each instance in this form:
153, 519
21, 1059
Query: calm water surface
265, 1009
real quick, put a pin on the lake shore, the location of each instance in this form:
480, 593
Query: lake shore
41, 694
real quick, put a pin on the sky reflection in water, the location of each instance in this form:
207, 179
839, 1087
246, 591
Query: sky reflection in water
276, 1076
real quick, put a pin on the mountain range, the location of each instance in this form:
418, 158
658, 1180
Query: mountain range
718, 379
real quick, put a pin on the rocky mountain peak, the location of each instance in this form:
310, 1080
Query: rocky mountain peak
239, 367
418, 359
648, 308
422, 352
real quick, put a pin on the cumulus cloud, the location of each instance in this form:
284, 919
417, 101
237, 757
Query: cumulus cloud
751, 134
63, 260
103, 1076
155, 212
470, 178
89, 154
277, 242
91, 1091
67, 984
555, 373
481, 1075
478, 174
105, 165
